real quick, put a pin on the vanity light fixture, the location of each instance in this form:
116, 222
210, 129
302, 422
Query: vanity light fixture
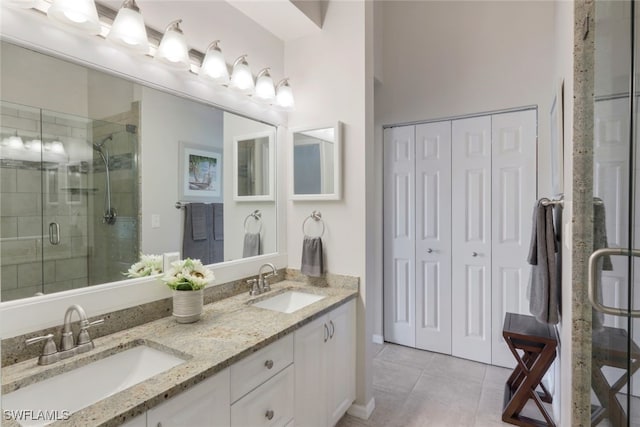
241, 77
284, 95
214, 67
14, 141
173, 50
265, 91
128, 28
79, 14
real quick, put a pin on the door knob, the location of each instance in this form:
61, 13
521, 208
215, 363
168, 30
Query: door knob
429, 250
474, 254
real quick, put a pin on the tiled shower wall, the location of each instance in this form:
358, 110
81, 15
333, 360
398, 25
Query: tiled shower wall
116, 243
71, 193
27, 259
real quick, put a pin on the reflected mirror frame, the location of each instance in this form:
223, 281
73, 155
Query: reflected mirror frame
270, 195
337, 162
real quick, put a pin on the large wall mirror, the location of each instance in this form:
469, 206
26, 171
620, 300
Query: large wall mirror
90, 176
316, 163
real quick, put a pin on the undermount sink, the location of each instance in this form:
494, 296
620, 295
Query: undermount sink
83, 386
288, 302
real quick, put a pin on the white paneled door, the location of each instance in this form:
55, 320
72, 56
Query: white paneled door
433, 237
471, 238
458, 199
399, 235
513, 183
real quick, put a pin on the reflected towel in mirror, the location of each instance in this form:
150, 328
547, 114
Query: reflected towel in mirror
252, 245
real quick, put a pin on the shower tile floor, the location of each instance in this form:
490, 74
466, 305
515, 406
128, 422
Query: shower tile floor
418, 388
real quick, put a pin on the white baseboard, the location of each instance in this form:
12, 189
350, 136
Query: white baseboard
361, 411
378, 339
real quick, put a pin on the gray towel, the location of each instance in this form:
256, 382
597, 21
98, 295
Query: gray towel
218, 221
312, 257
544, 300
600, 241
198, 221
251, 245
198, 249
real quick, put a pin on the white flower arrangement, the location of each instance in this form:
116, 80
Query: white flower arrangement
148, 265
188, 275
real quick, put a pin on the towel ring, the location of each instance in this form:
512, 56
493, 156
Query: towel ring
316, 216
256, 215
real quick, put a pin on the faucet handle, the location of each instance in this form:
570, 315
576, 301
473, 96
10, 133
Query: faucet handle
49, 351
253, 286
49, 346
83, 335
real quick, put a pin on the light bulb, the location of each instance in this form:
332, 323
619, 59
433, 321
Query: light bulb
173, 50
241, 77
284, 95
128, 28
265, 91
214, 67
14, 141
35, 145
79, 14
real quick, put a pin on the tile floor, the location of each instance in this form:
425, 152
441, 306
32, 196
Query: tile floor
417, 388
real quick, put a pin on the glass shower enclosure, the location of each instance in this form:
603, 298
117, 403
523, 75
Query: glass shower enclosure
68, 202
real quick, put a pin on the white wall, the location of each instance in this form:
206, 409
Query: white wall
328, 73
235, 212
450, 58
165, 121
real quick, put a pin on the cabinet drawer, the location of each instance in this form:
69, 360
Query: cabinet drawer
252, 371
270, 405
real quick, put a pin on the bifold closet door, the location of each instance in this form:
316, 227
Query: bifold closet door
399, 235
433, 237
513, 182
471, 238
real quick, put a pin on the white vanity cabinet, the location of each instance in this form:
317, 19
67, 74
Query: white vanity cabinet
324, 358
205, 404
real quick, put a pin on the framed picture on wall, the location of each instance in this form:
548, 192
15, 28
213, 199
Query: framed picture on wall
200, 172
556, 126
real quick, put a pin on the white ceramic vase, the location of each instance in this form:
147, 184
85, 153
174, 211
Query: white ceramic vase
187, 306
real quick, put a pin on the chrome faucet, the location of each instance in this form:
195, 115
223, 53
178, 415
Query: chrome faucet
261, 284
68, 347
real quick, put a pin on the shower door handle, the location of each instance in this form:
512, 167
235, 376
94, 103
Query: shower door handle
54, 233
593, 281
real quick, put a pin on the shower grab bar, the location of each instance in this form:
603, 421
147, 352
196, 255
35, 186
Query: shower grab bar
593, 280
54, 233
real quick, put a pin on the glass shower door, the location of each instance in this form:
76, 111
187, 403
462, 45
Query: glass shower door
614, 285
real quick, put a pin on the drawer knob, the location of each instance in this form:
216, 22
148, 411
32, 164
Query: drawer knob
269, 414
269, 364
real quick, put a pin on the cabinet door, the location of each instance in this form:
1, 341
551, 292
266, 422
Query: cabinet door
205, 404
399, 235
310, 380
471, 238
341, 356
270, 405
433, 237
513, 152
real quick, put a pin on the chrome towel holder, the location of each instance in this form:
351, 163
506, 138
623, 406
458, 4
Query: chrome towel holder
257, 216
316, 216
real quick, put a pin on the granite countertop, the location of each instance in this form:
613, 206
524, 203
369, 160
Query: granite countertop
229, 330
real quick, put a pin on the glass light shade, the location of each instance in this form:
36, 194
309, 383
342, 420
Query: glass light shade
214, 67
284, 96
21, 3
35, 145
79, 14
57, 147
14, 141
241, 77
173, 50
265, 91
128, 30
